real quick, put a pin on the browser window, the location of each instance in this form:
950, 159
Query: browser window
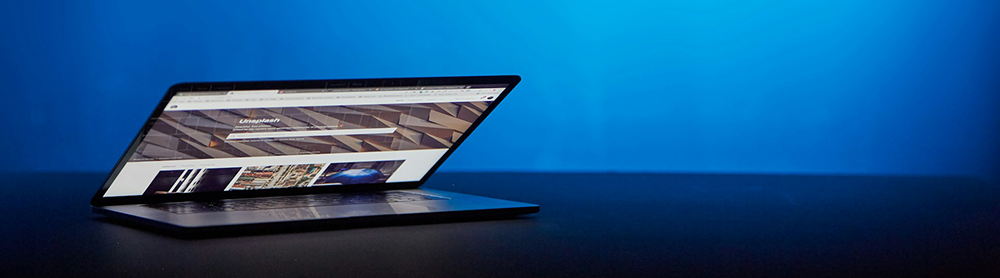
213, 141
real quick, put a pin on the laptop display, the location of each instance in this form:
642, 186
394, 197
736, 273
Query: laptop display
337, 134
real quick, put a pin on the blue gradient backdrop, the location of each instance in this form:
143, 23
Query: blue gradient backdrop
843, 87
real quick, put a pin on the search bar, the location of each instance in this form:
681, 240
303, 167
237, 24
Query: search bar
308, 133
253, 92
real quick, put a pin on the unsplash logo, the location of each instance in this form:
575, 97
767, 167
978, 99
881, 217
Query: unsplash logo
259, 121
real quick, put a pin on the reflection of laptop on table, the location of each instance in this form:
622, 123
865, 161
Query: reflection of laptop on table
233, 154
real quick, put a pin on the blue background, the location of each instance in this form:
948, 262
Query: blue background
831, 87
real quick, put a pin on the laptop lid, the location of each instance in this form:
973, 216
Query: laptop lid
220, 140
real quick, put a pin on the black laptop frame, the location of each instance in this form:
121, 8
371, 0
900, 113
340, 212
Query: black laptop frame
99, 200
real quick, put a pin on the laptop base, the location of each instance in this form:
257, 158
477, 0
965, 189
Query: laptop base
456, 207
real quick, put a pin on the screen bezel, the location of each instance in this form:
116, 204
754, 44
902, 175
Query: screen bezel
100, 200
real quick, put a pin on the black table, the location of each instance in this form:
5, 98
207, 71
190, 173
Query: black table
589, 225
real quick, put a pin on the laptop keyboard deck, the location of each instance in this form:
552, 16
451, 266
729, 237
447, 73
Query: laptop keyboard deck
331, 199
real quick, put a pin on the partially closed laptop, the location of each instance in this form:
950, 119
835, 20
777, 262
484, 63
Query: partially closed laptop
324, 152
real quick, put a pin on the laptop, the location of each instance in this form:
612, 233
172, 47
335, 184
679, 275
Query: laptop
327, 153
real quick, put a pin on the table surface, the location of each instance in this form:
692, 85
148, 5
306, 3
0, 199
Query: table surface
589, 225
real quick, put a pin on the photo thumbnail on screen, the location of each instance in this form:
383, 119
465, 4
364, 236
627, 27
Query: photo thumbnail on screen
276, 176
191, 180
358, 172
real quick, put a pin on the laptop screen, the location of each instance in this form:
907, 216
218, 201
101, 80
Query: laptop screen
262, 139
